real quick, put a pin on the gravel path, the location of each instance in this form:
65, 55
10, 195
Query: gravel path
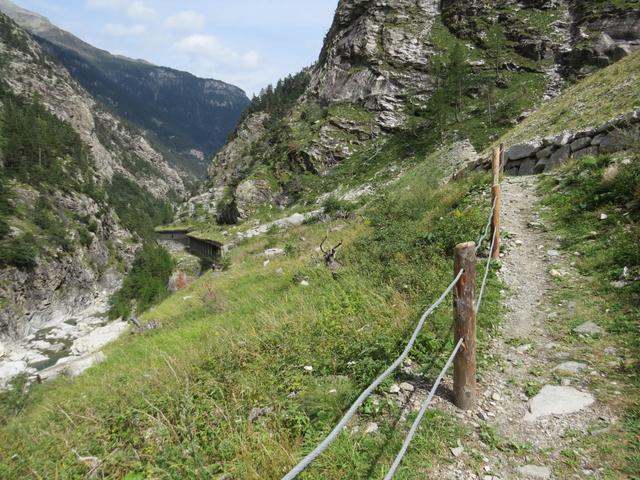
514, 436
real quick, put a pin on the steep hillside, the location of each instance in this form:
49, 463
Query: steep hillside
243, 372
190, 117
79, 189
469, 68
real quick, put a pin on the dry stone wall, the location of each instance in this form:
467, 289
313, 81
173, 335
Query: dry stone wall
543, 155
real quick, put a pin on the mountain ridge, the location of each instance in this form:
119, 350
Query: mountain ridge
190, 117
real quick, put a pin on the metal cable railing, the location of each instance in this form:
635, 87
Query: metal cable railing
427, 402
423, 410
308, 460
313, 455
487, 269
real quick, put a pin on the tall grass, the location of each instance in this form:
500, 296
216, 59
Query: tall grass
175, 402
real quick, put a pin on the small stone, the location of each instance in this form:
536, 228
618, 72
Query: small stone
266, 263
305, 283
555, 273
394, 389
535, 471
570, 367
407, 387
496, 397
371, 428
308, 368
258, 412
589, 328
274, 252
518, 243
553, 253
604, 216
458, 451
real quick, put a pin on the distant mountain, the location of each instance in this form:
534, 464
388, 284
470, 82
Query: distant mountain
186, 117
79, 189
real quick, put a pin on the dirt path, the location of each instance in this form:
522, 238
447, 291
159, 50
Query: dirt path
527, 404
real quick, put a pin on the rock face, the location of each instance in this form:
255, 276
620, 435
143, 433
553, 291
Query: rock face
63, 283
351, 67
126, 86
601, 33
379, 62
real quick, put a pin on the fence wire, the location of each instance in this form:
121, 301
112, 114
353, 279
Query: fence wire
487, 269
423, 410
311, 457
298, 469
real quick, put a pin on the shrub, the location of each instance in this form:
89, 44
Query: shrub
19, 252
336, 207
146, 284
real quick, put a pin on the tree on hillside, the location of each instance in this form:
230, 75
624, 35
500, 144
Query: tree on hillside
457, 77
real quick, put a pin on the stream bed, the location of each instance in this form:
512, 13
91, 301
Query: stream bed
64, 345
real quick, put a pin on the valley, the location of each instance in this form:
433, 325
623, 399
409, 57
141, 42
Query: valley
151, 329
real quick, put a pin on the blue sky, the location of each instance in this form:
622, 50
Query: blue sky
249, 43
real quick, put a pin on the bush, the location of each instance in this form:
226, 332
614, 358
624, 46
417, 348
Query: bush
336, 207
19, 252
86, 239
146, 284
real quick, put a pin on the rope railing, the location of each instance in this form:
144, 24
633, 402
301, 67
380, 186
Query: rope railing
487, 269
311, 457
329, 439
423, 410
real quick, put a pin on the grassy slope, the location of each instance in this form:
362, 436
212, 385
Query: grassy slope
174, 403
575, 200
591, 102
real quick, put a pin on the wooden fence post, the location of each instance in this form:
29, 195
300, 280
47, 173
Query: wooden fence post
464, 316
496, 197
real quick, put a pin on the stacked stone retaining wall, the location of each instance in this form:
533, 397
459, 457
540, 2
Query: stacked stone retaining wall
543, 155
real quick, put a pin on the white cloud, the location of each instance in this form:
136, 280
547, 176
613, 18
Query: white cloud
140, 10
186, 20
212, 49
136, 9
119, 30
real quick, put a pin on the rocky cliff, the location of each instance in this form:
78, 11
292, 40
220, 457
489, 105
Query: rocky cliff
190, 117
389, 66
76, 184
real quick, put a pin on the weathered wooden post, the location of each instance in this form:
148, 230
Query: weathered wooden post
496, 196
464, 316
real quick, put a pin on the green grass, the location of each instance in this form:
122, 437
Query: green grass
576, 198
174, 402
591, 102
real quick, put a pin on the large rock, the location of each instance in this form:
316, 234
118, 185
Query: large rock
557, 158
523, 150
580, 143
556, 400
251, 194
586, 152
73, 366
528, 167
98, 338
